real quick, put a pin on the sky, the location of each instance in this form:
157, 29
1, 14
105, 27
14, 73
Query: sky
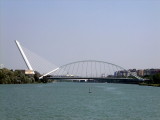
122, 32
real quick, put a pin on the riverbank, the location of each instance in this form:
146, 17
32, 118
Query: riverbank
147, 84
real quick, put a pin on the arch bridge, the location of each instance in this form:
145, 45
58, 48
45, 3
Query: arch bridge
92, 70
86, 69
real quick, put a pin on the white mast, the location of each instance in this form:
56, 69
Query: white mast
23, 55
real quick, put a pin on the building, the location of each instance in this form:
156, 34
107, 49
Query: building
140, 73
135, 72
29, 72
26, 72
122, 73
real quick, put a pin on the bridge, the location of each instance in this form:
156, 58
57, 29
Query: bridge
92, 71
87, 70
96, 79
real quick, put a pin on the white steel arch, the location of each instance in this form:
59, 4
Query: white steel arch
92, 62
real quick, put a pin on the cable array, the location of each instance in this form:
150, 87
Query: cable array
38, 63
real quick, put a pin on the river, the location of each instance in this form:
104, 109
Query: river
72, 101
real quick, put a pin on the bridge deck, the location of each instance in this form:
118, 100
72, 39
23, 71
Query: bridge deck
105, 78
98, 79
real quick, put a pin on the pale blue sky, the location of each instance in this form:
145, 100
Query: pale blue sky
123, 32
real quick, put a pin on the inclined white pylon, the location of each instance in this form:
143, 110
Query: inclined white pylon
23, 55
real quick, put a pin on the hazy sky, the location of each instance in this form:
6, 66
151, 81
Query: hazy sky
123, 32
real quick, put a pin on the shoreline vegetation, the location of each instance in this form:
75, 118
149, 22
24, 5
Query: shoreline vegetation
19, 77
151, 80
149, 84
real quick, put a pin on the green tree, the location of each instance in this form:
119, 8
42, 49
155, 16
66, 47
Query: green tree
156, 78
36, 76
13, 77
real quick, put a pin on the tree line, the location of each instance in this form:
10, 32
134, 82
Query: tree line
153, 79
17, 77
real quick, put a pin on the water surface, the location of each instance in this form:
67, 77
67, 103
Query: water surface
72, 101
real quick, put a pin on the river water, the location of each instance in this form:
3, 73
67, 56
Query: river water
72, 101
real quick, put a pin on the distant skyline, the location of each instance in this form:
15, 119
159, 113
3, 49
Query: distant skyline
122, 32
